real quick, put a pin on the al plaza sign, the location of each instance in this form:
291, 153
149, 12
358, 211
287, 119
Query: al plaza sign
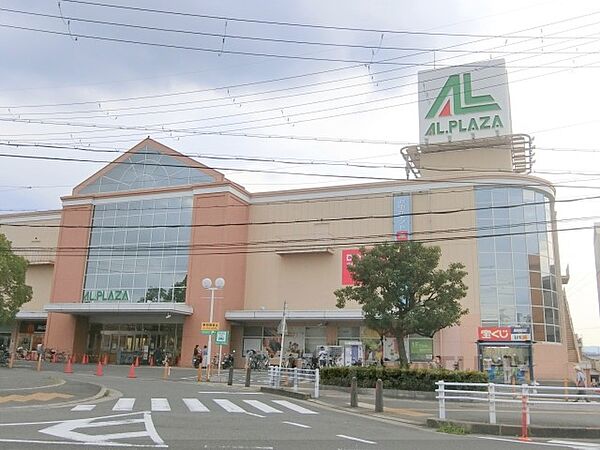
464, 102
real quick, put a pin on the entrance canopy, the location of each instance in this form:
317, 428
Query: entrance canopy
88, 309
272, 315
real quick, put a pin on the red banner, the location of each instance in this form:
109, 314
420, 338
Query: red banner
494, 333
346, 261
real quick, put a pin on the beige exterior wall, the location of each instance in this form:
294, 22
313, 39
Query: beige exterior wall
41, 259
307, 280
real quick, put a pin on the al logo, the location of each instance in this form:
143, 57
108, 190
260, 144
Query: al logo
456, 99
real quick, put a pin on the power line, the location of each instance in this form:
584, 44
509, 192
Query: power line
314, 220
291, 41
294, 24
201, 251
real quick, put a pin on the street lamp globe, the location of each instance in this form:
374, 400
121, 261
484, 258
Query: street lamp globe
219, 283
207, 283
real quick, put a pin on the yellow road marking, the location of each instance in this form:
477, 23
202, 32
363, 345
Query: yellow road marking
36, 396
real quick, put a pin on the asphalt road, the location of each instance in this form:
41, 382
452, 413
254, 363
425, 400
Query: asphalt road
149, 412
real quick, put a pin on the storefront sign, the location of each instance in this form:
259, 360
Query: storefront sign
504, 334
222, 337
464, 102
106, 296
209, 327
346, 261
420, 349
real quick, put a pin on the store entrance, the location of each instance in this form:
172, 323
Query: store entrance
506, 363
123, 343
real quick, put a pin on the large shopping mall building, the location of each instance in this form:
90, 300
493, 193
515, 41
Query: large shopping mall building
119, 269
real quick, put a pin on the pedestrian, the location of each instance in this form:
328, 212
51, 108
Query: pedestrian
581, 383
204, 357
196, 359
40, 350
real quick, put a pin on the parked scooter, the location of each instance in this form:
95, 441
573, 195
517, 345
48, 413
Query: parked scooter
227, 362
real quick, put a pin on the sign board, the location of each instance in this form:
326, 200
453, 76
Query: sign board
504, 334
420, 349
402, 221
347, 279
464, 102
106, 296
209, 327
222, 337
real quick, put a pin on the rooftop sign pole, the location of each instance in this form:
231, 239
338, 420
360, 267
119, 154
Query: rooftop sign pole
464, 102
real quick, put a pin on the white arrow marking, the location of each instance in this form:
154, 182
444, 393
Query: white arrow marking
66, 430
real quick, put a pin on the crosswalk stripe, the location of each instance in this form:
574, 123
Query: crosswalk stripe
294, 407
83, 408
195, 405
124, 404
228, 406
160, 404
262, 406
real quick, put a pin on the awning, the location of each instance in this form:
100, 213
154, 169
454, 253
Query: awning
86, 309
32, 315
273, 315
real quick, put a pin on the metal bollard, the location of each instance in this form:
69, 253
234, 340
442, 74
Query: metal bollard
199, 373
248, 372
39, 363
353, 393
379, 395
295, 379
230, 378
11, 361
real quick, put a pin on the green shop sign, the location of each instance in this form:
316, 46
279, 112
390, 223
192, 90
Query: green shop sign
421, 349
106, 296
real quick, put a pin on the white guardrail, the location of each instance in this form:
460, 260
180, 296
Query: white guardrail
524, 394
294, 377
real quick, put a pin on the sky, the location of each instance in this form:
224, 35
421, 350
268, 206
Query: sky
222, 79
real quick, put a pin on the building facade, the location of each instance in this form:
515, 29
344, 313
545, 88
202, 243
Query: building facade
136, 239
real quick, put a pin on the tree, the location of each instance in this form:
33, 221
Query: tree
13, 290
402, 292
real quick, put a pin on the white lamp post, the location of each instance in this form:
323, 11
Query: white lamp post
207, 284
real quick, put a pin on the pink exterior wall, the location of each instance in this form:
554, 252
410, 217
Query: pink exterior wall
63, 331
209, 260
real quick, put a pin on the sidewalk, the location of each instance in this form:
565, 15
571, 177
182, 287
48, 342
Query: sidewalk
25, 387
574, 420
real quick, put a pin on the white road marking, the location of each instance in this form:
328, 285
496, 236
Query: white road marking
516, 441
576, 444
195, 405
228, 406
238, 447
160, 404
83, 408
262, 406
124, 404
364, 441
230, 392
301, 425
294, 407
73, 430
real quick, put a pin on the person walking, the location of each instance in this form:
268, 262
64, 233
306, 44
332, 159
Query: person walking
204, 358
580, 382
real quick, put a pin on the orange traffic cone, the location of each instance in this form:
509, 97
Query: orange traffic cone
69, 366
99, 371
137, 361
132, 372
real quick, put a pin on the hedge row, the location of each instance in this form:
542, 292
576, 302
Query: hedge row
396, 378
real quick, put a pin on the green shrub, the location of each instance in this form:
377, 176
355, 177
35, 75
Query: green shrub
396, 378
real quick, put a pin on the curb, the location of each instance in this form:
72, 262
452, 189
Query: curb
284, 393
103, 392
515, 430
